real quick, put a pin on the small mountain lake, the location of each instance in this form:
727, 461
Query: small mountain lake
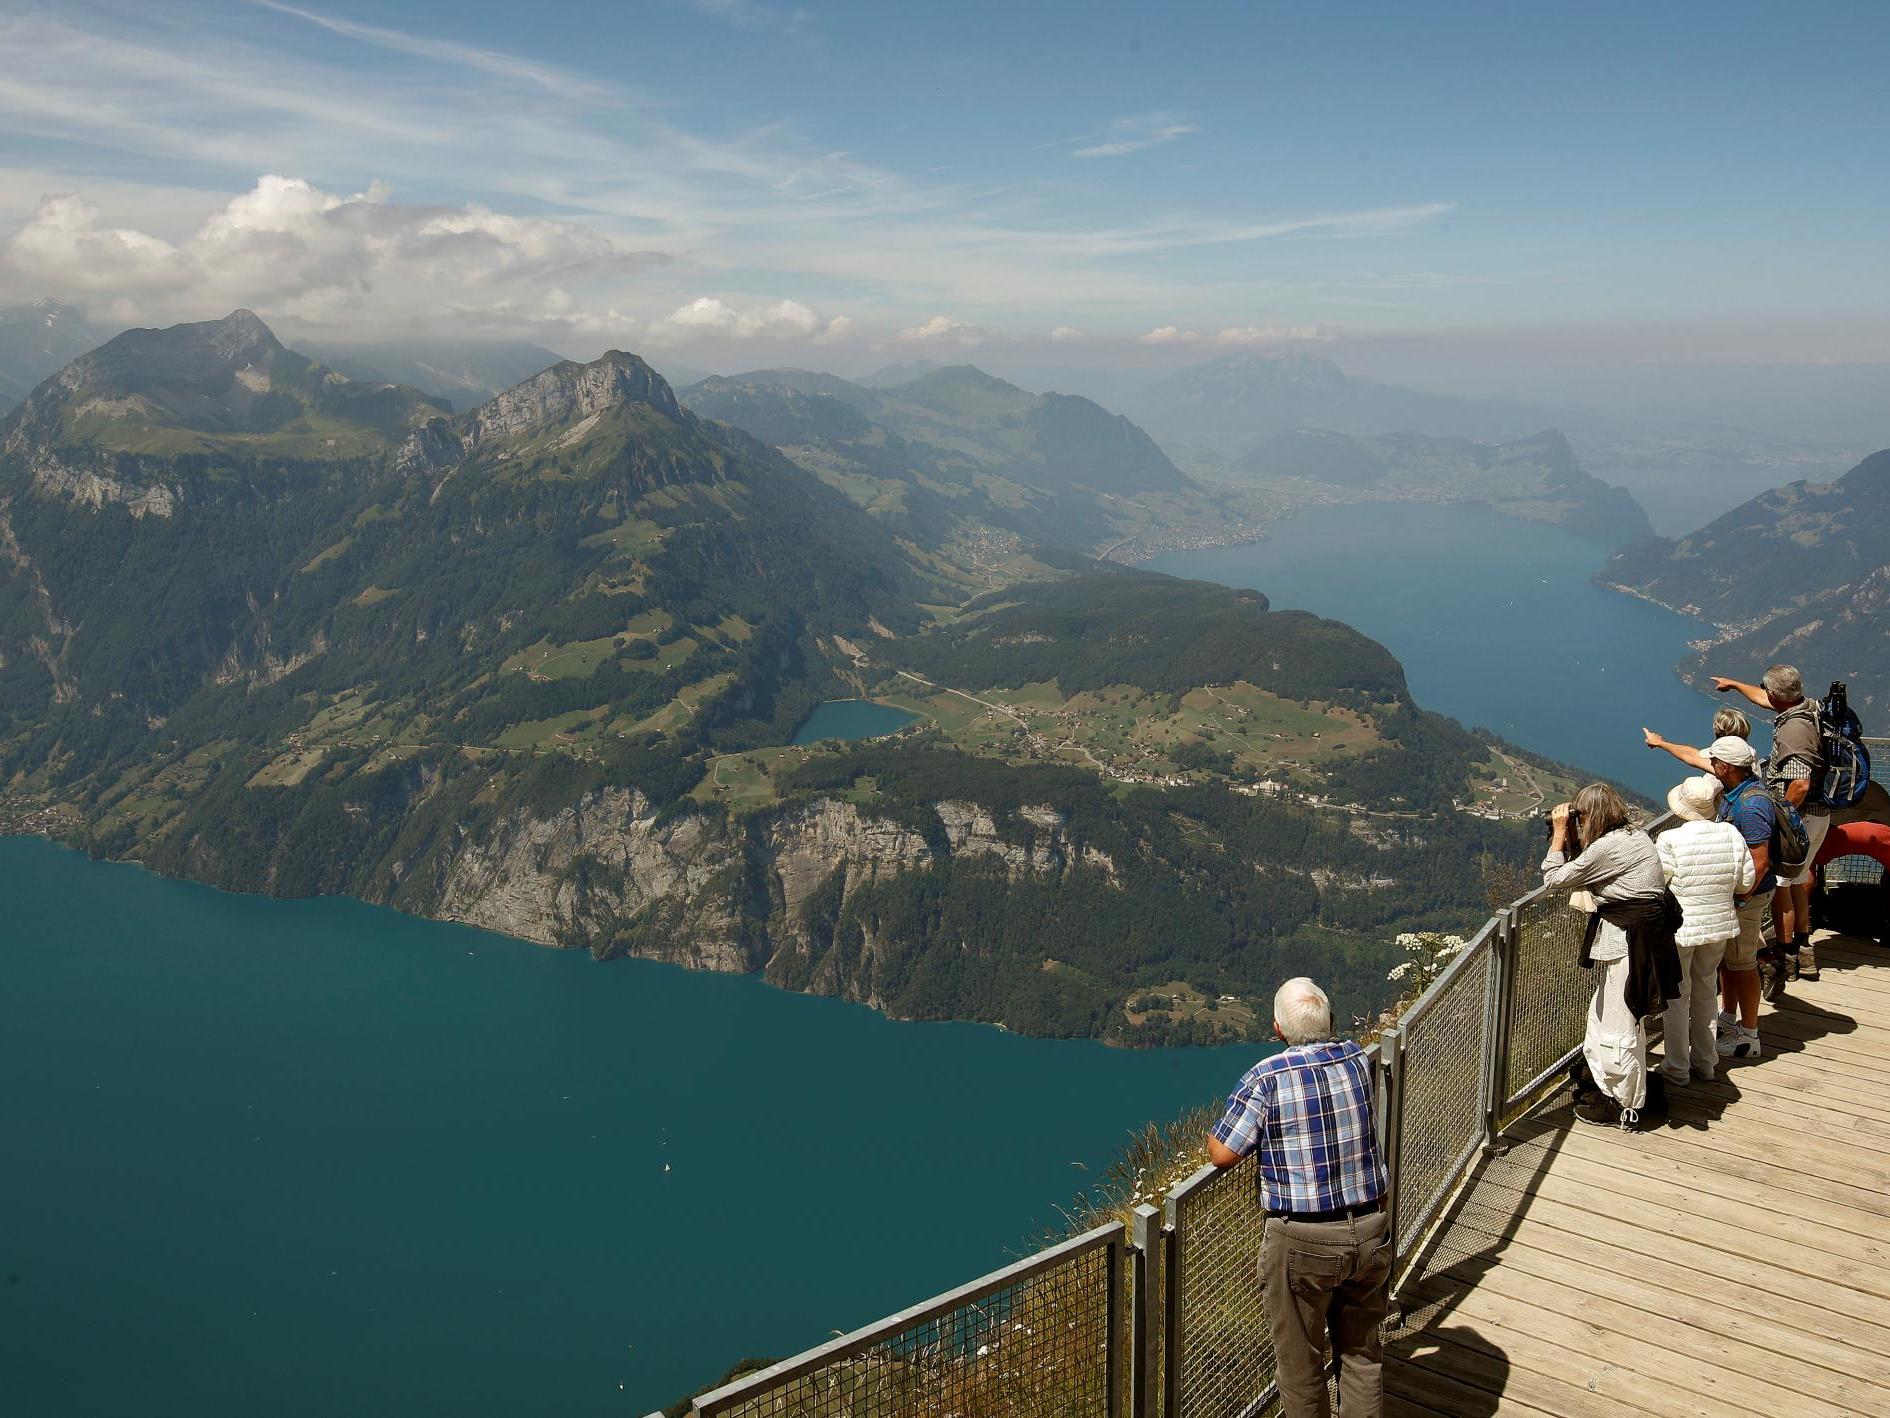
852, 719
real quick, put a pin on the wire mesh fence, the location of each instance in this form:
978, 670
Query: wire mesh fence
1548, 1005
1218, 1353
1445, 1041
1039, 1339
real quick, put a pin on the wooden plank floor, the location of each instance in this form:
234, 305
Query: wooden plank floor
1736, 1261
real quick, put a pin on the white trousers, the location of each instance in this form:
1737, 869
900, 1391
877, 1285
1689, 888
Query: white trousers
1616, 1045
1688, 1022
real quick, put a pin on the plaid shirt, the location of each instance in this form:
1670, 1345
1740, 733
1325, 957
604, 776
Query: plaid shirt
1308, 1112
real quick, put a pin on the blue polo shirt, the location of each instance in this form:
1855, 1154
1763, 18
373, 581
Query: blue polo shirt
1750, 808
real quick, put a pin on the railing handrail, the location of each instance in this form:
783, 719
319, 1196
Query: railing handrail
707, 1405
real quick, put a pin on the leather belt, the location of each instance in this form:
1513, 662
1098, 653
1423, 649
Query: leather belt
1341, 1213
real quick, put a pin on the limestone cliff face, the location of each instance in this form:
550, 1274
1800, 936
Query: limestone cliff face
610, 875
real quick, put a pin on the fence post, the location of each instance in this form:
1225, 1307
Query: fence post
1144, 1329
1174, 1339
1112, 1342
1508, 941
1391, 1118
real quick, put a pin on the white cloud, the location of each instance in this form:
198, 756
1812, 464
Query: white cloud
1064, 333
943, 330
708, 315
1240, 336
324, 261
1134, 135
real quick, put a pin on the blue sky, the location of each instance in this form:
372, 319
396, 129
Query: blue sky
741, 181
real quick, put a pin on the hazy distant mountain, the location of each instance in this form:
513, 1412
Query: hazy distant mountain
1538, 478
1798, 574
462, 373
1228, 404
898, 373
954, 448
36, 340
1777, 550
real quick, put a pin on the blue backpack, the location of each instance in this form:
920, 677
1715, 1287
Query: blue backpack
1846, 758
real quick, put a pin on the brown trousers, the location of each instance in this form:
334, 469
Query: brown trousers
1325, 1284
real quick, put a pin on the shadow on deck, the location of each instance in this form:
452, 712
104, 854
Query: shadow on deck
1735, 1261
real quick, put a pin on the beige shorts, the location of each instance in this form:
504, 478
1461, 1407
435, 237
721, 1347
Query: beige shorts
1742, 953
1816, 825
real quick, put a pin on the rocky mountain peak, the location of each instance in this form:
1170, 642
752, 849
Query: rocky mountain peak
570, 391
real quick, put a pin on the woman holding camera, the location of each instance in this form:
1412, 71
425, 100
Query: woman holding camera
1629, 940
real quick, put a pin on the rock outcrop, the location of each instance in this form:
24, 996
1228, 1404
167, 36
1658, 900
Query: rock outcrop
612, 875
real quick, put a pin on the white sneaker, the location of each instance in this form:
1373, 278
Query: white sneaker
1726, 1023
1739, 1042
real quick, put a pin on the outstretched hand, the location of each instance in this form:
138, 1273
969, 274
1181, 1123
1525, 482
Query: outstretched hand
1653, 739
1722, 684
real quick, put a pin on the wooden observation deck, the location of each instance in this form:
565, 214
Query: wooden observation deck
1734, 1261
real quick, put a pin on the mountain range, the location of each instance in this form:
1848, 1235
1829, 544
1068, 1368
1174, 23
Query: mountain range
537, 665
955, 451
1538, 478
1227, 405
1799, 574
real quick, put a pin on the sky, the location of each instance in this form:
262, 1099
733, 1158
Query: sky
741, 182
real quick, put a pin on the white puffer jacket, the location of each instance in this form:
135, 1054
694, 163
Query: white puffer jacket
1705, 863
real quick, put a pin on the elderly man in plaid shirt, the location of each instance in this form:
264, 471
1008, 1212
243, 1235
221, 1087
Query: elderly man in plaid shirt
1325, 1252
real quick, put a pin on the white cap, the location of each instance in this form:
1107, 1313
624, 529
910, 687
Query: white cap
1734, 750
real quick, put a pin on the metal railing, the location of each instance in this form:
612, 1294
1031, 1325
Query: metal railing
1043, 1336
1183, 1330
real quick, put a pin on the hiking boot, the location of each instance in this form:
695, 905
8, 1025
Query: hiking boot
1600, 1111
1808, 961
1771, 974
1739, 1042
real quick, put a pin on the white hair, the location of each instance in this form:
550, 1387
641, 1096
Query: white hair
1784, 681
1302, 1012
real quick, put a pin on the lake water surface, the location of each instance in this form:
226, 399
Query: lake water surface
318, 1158
852, 719
1496, 623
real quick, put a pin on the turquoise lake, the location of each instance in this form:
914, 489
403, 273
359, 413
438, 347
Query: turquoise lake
318, 1158
852, 719
1496, 623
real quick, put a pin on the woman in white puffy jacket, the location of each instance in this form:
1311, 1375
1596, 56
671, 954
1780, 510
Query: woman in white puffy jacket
1706, 863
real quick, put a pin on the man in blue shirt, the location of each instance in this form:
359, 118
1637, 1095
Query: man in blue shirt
1746, 805
1325, 1250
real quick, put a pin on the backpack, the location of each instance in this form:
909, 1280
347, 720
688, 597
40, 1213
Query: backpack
1790, 845
1846, 758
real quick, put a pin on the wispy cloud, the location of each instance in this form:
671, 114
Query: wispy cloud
1133, 135
637, 213
553, 78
